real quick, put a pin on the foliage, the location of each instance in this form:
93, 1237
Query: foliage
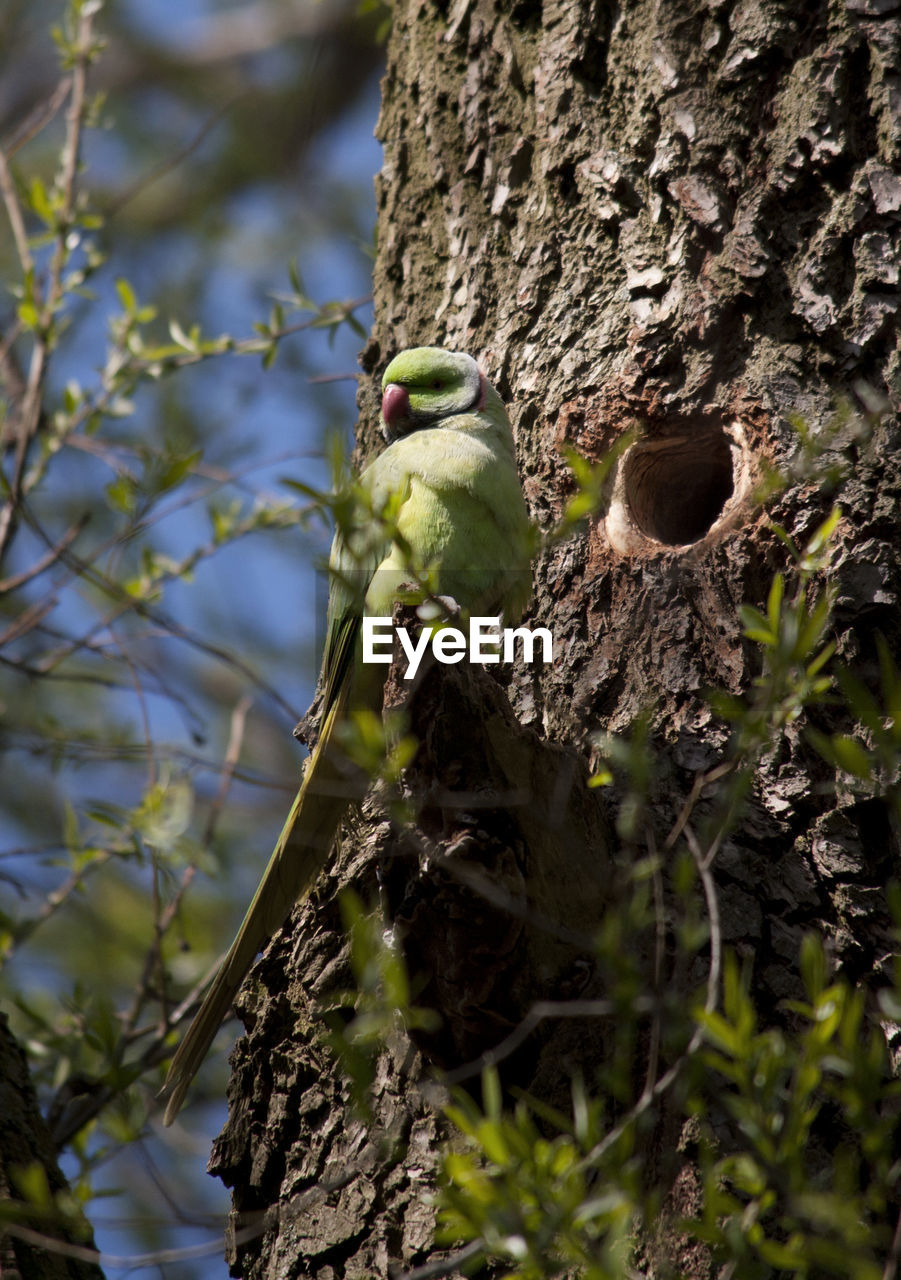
813, 1184
793, 1124
360, 1020
146, 707
532, 1198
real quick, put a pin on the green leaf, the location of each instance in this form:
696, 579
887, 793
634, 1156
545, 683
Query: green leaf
491, 1093
71, 833
493, 1142
721, 1032
756, 625
72, 396
28, 315
317, 495
852, 757
860, 701
811, 631
294, 276
819, 662
177, 469
122, 493
126, 295
183, 340
813, 965
32, 1185
787, 1257
785, 538
821, 538
774, 602
891, 684
40, 202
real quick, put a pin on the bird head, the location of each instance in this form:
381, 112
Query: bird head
424, 385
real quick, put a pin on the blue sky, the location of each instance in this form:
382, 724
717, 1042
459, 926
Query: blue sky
272, 427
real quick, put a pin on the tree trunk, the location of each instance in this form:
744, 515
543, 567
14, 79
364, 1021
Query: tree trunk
28, 1163
669, 212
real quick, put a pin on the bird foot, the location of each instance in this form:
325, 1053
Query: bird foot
444, 608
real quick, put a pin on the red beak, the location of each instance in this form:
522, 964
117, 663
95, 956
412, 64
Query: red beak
395, 404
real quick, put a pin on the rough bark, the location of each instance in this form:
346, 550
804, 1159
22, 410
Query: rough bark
679, 213
24, 1142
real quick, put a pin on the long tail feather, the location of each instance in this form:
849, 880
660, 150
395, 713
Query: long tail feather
299, 855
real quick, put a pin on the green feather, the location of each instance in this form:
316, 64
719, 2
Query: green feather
443, 500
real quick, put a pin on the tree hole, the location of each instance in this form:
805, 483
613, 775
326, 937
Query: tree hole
672, 489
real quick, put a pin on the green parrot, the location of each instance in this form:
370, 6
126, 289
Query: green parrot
442, 502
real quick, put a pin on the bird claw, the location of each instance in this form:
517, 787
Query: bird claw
444, 607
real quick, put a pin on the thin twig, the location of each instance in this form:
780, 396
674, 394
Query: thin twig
232, 752
142, 708
891, 1262
28, 620
126, 603
650, 1095
216, 477
151, 959
659, 949
321, 378
14, 213
163, 916
229, 765
167, 627
539, 1011
49, 558
86, 749
171, 161
56, 898
81, 1253
701, 781
257, 1222
38, 119
71, 150
475, 878
30, 407
444, 1266
10, 373
704, 862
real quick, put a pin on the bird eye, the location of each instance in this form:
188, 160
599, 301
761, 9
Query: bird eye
437, 384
